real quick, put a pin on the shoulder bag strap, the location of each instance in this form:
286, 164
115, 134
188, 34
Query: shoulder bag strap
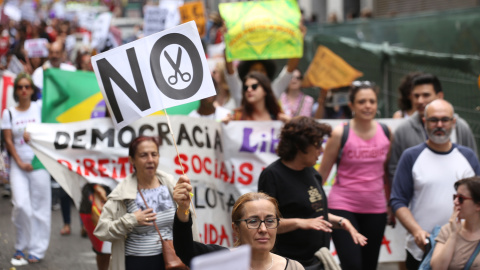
146, 205
472, 258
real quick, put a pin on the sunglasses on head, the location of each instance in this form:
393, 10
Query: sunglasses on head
461, 198
254, 86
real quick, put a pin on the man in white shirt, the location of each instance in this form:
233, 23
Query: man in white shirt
56, 56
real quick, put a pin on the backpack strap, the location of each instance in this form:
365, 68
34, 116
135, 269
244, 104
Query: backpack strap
346, 129
385, 130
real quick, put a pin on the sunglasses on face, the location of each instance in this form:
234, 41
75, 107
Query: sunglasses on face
19, 87
298, 77
460, 198
254, 86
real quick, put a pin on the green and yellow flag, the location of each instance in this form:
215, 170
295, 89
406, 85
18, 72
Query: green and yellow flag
262, 30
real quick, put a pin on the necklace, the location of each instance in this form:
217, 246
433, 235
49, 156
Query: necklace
271, 264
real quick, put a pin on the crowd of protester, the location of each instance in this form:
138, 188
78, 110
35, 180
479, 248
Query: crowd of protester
408, 174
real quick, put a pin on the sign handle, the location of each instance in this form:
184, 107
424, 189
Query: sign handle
178, 155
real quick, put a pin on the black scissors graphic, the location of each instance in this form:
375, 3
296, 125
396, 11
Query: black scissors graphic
176, 66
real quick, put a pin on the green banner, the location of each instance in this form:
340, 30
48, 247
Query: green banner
262, 30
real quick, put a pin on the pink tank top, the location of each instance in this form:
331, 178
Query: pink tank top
359, 185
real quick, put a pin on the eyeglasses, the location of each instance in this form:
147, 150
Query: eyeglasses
255, 223
19, 87
461, 198
254, 86
298, 77
435, 120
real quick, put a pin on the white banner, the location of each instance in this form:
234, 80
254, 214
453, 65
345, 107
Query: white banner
222, 161
177, 73
36, 47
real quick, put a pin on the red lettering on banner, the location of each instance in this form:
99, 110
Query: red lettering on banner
211, 235
200, 165
209, 161
248, 175
194, 167
184, 165
66, 163
89, 165
103, 167
223, 172
386, 242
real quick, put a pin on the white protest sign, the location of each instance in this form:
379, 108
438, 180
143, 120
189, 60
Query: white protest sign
13, 12
36, 47
154, 20
27, 9
173, 71
173, 16
100, 30
86, 19
235, 259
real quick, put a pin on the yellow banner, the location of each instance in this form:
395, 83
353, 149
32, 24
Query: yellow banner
262, 30
194, 11
328, 71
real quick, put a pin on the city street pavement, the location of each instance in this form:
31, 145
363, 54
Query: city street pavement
65, 252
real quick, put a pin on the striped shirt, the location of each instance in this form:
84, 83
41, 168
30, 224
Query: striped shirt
144, 240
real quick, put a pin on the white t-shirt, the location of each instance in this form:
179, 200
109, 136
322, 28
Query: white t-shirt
220, 113
18, 124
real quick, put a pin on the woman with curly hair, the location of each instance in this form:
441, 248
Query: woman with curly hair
259, 102
297, 186
31, 193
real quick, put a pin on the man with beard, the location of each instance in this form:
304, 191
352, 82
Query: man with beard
425, 89
425, 176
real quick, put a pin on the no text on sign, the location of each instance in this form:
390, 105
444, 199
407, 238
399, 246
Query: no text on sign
159, 71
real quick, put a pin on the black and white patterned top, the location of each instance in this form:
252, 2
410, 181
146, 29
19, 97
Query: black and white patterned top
144, 240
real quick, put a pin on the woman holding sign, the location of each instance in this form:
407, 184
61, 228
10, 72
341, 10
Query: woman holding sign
127, 222
255, 219
259, 102
361, 149
31, 193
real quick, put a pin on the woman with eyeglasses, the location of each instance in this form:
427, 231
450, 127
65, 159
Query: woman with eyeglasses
259, 102
458, 242
31, 193
255, 218
294, 101
361, 149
